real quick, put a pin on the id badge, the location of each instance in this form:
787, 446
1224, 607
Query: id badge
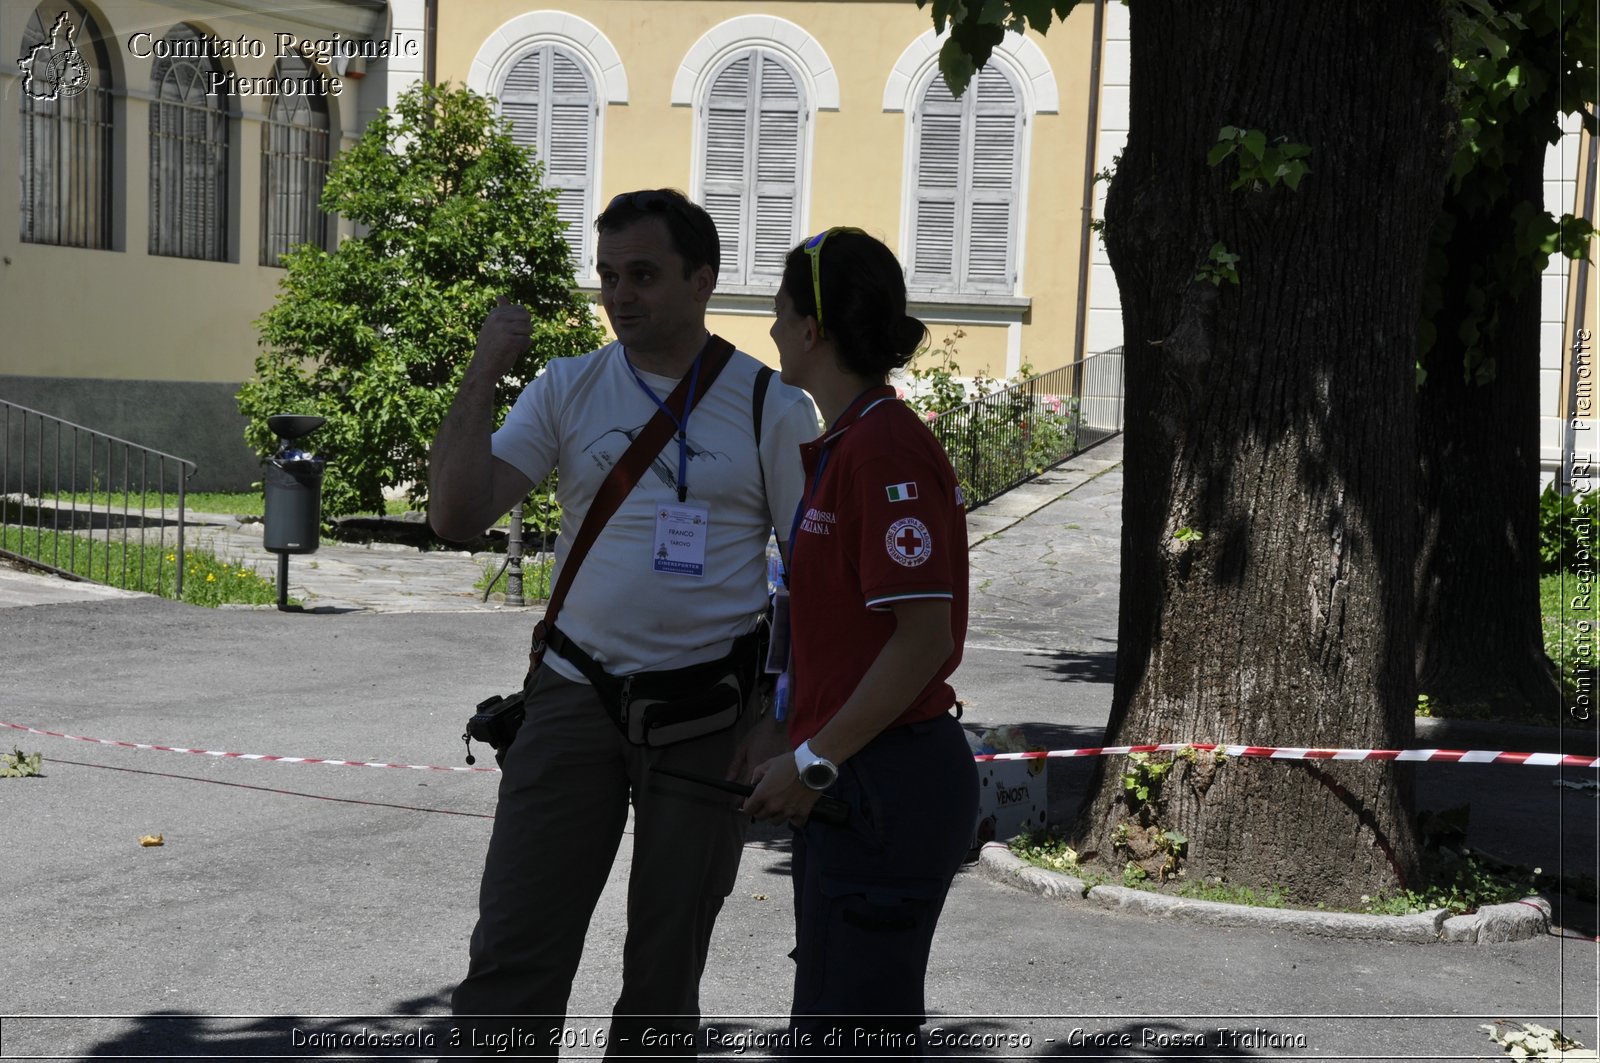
681, 539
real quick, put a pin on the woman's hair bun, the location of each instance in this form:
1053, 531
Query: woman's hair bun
909, 335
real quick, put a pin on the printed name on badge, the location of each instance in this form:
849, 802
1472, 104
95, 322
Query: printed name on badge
681, 539
908, 542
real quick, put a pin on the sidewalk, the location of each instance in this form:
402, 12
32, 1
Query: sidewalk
309, 891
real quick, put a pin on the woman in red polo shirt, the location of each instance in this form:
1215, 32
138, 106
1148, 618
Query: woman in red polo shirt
878, 600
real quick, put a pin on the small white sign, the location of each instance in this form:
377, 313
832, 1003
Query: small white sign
680, 547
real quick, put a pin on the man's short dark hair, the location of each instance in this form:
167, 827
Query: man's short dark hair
690, 228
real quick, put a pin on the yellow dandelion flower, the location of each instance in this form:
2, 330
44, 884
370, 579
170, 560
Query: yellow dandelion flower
211, 577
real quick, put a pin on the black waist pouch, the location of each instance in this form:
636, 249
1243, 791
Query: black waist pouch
662, 708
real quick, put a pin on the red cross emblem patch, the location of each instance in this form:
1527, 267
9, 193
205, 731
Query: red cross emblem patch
908, 542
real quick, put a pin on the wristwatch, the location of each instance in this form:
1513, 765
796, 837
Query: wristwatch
816, 771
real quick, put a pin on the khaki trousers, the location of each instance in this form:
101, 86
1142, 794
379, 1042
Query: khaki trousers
564, 796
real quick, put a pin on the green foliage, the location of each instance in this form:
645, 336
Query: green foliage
995, 434
375, 336
234, 503
1047, 851
977, 27
933, 376
1567, 530
1570, 615
541, 509
1221, 265
1261, 163
1518, 65
536, 569
146, 568
1141, 783
19, 765
1459, 883
1227, 893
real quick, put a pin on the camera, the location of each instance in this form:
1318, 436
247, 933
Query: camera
495, 724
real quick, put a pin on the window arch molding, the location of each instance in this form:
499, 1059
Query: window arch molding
67, 142
779, 44
507, 46
581, 42
803, 51
296, 156
1028, 71
1026, 60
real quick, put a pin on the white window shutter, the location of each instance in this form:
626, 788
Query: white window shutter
551, 102
936, 202
519, 99
726, 127
995, 182
569, 152
752, 129
967, 186
777, 176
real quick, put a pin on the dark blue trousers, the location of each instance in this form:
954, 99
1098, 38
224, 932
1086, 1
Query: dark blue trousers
868, 894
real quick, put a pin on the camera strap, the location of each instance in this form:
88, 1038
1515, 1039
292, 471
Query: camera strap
622, 478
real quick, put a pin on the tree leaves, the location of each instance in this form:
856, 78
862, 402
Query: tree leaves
977, 27
376, 335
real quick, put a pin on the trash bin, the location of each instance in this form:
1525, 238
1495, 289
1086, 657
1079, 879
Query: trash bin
293, 502
293, 521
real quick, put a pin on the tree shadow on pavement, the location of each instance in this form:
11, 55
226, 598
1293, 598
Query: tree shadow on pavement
1078, 666
417, 1027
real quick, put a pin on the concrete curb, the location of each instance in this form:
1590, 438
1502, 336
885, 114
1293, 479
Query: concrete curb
1492, 924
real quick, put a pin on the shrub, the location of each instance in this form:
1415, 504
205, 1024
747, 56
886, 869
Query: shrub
1566, 529
376, 335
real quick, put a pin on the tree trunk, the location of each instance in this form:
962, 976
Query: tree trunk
1479, 637
1269, 516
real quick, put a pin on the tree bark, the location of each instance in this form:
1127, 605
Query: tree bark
1269, 515
1480, 640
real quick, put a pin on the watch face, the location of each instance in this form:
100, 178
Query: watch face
819, 775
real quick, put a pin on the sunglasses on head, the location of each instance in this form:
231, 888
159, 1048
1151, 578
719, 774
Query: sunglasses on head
813, 249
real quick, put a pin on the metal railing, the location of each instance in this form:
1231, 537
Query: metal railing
1007, 437
82, 503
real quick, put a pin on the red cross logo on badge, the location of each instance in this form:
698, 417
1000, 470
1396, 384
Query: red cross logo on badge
908, 542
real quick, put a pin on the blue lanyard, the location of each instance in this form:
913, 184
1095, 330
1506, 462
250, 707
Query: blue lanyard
800, 510
816, 478
683, 424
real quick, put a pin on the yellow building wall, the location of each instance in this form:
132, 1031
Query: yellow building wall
858, 153
125, 314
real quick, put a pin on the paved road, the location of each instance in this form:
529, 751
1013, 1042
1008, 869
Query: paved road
307, 892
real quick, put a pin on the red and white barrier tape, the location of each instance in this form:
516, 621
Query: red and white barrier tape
1457, 756
238, 756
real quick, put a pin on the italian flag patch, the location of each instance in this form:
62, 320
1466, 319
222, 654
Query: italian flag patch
902, 492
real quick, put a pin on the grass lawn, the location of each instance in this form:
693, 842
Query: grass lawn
229, 503
1568, 608
150, 568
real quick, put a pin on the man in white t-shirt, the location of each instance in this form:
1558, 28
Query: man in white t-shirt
633, 607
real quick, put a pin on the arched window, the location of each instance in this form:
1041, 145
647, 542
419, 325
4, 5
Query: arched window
551, 102
188, 152
967, 154
294, 166
752, 136
64, 157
